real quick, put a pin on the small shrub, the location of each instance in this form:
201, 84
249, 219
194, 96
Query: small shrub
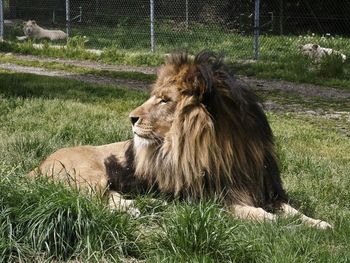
6, 47
331, 66
299, 65
77, 42
10, 33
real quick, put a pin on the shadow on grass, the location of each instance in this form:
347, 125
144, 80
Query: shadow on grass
32, 86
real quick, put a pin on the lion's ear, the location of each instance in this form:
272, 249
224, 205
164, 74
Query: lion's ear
194, 81
33, 22
198, 87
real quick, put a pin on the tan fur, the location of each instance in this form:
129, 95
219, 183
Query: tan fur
199, 135
32, 30
83, 167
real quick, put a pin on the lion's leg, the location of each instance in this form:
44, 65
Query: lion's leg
252, 213
21, 38
117, 202
287, 210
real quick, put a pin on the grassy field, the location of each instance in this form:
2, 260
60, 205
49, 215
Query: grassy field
125, 44
42, 221
172, 36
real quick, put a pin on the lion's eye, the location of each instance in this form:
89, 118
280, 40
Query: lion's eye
164, 100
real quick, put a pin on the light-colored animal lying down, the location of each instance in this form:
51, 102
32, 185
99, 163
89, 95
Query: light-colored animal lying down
32, 30
317, 52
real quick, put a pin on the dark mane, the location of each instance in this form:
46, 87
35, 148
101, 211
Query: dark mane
220, 142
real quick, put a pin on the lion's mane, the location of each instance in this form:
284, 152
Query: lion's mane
220, 142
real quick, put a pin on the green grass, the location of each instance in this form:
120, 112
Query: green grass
328, 72
279, 56
42, 221
110, 55
135, 39
53, 65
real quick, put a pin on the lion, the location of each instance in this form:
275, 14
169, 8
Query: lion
200, 135
317, 52
32, 30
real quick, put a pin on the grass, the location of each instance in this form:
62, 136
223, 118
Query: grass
42, 221
110, 55
53, 65
330, 71
279, 56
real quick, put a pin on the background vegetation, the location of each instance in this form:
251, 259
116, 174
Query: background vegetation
223, 26
279, 59
42, 221
288, 16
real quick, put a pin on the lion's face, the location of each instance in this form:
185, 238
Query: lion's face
28, 27
309, 49
176, 90
153, 119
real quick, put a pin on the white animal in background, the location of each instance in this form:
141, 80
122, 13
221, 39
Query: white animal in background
317, 52
32, 30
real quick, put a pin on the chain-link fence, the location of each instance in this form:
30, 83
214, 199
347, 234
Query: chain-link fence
165, 25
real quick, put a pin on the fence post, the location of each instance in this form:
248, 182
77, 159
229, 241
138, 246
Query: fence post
256, 29
1, 21
152, 24
68, 24
186, 14
281, 16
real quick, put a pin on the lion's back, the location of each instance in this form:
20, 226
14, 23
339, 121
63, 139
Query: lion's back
56, 34
81, 165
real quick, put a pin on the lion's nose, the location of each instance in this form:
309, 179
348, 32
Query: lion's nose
134, 119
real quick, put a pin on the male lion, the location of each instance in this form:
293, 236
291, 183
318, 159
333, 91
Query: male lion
32, 30
199, 135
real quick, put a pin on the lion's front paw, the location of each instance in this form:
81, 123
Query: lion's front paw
22, 38
134, 212
322, 224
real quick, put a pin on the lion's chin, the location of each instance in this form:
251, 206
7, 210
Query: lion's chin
141, 142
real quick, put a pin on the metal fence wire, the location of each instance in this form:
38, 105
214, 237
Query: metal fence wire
242, 29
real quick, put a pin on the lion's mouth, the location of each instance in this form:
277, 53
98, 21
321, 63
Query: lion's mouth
142, 136
142, 141
142, 132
